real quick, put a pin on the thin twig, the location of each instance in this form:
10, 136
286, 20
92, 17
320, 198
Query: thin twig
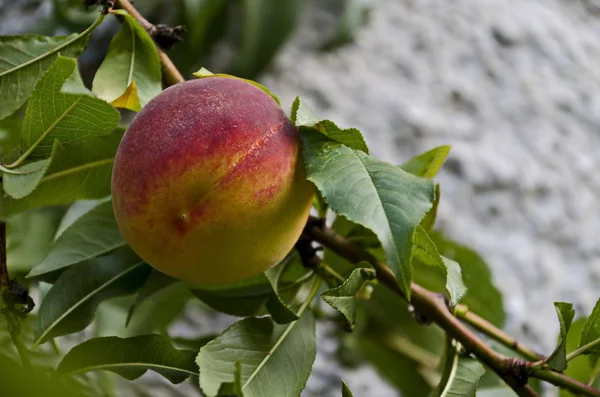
583, 349
489, 329
170, 73
4, 280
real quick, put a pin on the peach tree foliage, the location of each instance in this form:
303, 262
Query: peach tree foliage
58, 140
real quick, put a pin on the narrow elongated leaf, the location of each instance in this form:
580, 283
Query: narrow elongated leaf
76, 211
346, 392
464, 377
280, 312
157, 311
156, 282
94, 234
69, 118
83, 172
482, 296
591, 330
245, 298
70, 304
302, 114
131, 357
266, 25
373, 193
426, 252
565, 312
29, 175
454, 281
23, 60
343, 298
274, 357
132, 59
429, 221
427, 164
263, 292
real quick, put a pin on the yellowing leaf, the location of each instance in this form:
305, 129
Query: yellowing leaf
129, 99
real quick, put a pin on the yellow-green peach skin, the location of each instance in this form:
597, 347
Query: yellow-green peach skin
208, 185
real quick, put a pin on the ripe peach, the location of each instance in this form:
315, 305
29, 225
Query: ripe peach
208, 185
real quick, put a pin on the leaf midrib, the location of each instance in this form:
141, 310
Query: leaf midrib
88, 296
132, 364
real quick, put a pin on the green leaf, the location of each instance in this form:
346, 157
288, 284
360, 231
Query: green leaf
373, 193
427, 164
10, 137
24, 58
69, 118
425, 252
76, 211
482, 297
29, 237
454, 282
70, 304
429, 221
83, 172
156, 282
350, 137
302, 114
265, 291
29, 175
274, 357
591, 330
343, 298
558, 360
93, 234
280, 312
580, 368
266, 24
132, 59
346, 390
131, 357
244, 298
464, 377
157, 311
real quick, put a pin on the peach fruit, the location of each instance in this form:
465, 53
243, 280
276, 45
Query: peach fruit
208, 185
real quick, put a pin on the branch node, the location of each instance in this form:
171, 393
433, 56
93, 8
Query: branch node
17, 300
517, 368
166, 37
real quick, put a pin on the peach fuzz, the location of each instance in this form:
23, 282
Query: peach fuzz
208, 185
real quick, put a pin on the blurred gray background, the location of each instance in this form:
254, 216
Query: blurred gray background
512, 85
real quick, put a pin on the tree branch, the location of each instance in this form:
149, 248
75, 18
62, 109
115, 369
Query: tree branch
429, 304
489, 329
170, 73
